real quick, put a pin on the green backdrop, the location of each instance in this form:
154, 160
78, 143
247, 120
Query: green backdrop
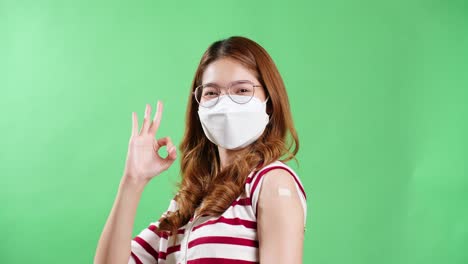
378, 89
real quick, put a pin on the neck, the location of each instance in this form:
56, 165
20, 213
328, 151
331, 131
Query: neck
226, 156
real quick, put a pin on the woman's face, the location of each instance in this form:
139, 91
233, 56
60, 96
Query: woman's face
225, 70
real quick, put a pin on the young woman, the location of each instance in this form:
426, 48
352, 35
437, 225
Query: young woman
238, 202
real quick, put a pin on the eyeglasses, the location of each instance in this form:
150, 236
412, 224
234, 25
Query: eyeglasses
241, 92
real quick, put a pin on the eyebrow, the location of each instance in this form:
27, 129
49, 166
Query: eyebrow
218, 85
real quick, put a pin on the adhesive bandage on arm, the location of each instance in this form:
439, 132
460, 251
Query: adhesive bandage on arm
282, 191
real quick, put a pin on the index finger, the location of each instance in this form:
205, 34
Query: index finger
157, 118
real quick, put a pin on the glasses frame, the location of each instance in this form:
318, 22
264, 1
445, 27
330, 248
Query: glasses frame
227, 87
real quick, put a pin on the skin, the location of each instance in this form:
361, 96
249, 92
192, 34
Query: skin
279, 218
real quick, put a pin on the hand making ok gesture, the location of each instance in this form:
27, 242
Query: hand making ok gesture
143, 160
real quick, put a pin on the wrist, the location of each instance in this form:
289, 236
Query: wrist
133, 183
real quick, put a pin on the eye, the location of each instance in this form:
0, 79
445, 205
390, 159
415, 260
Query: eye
210, 92
242, 89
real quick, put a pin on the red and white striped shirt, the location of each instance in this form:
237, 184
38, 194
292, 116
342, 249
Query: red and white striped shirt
229, 238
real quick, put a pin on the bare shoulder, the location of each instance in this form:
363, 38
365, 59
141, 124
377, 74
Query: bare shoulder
278, 193
276, 182
279, 197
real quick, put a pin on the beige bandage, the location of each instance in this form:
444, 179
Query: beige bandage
284, 191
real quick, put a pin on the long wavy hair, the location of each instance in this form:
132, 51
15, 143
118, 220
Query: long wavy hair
205, 188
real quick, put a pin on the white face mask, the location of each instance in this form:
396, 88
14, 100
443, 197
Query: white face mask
231, 125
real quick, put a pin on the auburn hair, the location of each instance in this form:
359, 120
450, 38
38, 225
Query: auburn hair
205, 188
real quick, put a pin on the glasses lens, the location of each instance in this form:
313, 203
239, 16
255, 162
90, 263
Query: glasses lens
242, 92
207, 96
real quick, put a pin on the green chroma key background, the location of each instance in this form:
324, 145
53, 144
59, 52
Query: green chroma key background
378, 91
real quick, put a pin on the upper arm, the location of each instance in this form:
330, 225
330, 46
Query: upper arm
145, 245
281, 214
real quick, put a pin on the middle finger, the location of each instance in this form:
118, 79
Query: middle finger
146, 120
157, 119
